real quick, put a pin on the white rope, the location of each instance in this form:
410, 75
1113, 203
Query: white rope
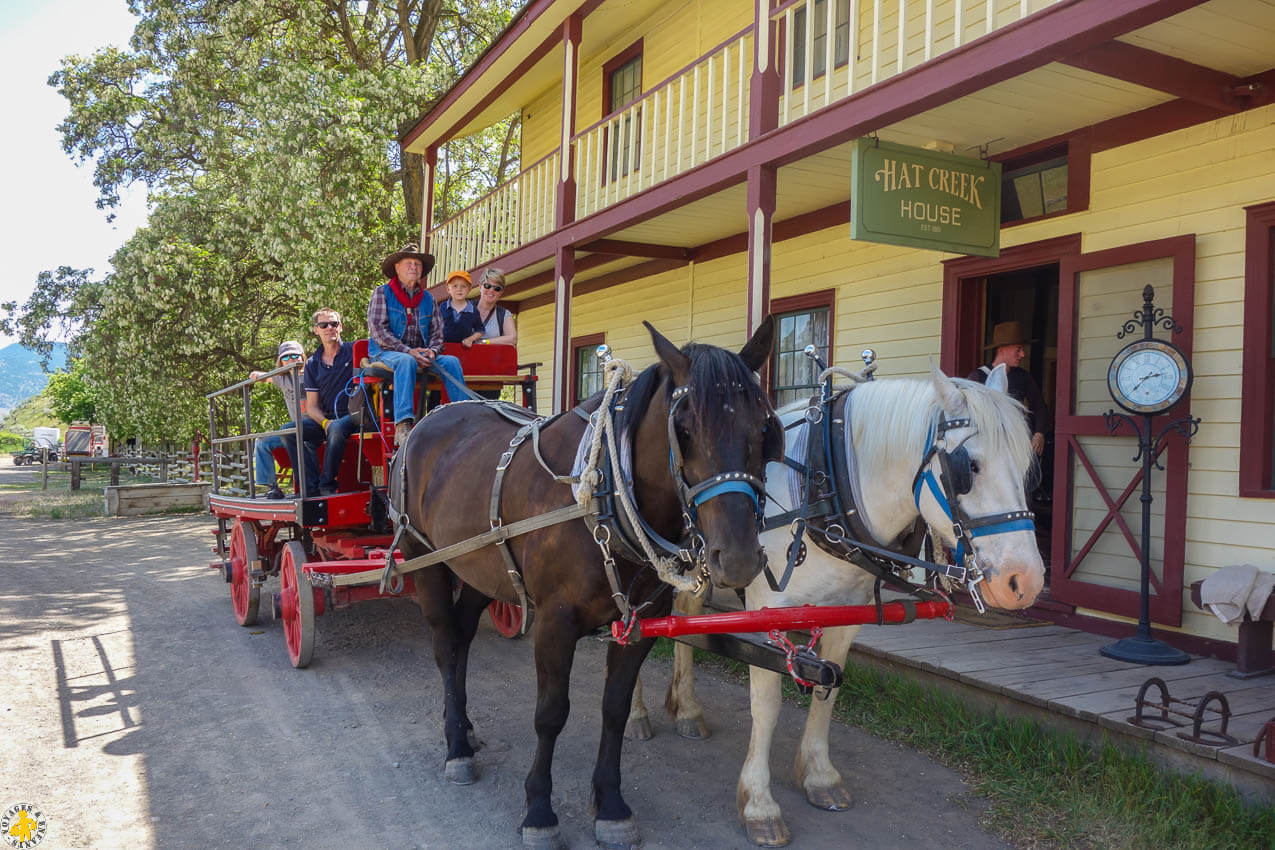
855, 378
619, 373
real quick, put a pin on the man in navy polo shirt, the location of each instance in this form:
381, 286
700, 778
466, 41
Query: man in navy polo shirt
327, 374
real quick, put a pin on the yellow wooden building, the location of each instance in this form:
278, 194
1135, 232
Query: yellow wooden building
688, 162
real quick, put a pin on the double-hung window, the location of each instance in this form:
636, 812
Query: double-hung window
819, 38
801, 321
622, 81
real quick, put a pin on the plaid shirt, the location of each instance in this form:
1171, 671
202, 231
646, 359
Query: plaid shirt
378, 326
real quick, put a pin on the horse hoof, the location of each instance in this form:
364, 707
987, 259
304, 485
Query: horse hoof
768, 832
834, 798
617, 834
639, 729
542, 837
694, 728
460, 771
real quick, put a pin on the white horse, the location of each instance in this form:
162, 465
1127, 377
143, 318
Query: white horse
900, 429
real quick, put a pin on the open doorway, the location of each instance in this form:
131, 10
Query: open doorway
1030, 297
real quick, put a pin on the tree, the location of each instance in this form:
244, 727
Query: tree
265, 132
70, 396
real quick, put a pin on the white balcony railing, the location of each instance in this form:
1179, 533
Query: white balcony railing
702, 111
697, 114
882, 48
516, 212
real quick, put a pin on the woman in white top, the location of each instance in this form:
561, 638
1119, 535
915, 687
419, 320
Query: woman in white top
497, 322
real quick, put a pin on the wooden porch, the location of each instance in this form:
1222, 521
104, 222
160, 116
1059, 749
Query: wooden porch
1053, 674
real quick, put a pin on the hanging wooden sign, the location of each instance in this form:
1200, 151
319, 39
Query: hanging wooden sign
925, 199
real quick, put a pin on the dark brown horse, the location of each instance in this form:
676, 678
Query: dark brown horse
724, 429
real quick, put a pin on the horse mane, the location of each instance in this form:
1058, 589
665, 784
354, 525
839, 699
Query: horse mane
892, 419
735, 386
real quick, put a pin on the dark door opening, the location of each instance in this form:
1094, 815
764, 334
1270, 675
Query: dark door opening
1030, 297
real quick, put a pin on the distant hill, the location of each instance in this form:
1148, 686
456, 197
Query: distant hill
20, 374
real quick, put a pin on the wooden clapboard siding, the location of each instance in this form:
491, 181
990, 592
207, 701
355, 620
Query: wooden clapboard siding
887, 298
1195, 180
541, 126
673, 37
719, 301
535, 345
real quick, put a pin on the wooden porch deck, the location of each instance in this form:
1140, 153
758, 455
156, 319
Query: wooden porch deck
1055, 675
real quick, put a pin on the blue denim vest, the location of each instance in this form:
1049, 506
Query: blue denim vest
397, 315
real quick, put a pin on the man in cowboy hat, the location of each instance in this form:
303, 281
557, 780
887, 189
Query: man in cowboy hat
406, 333
1010, 344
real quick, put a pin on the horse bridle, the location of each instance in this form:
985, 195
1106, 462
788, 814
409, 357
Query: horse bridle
692, 496
956, 478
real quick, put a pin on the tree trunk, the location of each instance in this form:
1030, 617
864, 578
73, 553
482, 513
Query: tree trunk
413, 188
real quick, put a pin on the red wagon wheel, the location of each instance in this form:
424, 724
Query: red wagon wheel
244, 593
506, 617
297, 603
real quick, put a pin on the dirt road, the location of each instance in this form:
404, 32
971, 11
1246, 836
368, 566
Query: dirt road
136, 713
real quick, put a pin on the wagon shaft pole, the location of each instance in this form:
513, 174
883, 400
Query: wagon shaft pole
784, 619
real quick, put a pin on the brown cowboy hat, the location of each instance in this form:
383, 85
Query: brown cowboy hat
409, 251
1008, 333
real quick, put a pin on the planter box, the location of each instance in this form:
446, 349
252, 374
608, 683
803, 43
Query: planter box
138, 499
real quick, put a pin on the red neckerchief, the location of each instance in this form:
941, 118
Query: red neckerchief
409, 302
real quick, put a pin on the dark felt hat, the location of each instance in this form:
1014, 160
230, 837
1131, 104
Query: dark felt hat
1008, 333
409, 251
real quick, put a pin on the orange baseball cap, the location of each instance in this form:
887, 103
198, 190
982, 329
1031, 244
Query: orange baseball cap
463, 275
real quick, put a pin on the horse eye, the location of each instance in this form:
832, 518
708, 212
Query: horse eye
974, 467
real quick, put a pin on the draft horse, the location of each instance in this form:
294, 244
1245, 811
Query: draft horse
700, 430
937, 450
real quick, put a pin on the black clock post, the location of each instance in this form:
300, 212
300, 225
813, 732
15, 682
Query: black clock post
1142, 648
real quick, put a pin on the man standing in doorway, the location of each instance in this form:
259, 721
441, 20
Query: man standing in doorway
1009, 343
327, 373
405, 332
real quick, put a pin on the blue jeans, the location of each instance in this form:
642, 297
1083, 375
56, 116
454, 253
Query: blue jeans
263, 462
339, 430
404, 365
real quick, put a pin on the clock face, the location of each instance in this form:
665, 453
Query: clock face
1148, 376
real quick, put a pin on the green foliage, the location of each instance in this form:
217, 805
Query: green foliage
265, 132
11, 442
70, 396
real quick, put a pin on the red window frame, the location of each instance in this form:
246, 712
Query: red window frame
1257, 430
610, 66
577, 343
823, 298
1077, 148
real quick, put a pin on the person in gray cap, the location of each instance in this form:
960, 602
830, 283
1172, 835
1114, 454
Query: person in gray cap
264, 475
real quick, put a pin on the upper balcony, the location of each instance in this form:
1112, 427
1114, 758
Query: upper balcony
701, 112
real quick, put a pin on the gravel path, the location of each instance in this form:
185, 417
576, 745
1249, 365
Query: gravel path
136, 713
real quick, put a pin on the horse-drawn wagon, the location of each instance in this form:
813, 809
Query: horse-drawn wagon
312, 541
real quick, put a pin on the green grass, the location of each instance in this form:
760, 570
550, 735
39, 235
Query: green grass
1047, 787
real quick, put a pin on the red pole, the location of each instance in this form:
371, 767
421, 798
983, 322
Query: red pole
784, 619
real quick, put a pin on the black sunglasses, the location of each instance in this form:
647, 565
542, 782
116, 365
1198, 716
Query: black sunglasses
327, 324
494, 286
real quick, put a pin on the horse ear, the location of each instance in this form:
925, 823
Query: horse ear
678, 362
949, 396
999, 379
757, 350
